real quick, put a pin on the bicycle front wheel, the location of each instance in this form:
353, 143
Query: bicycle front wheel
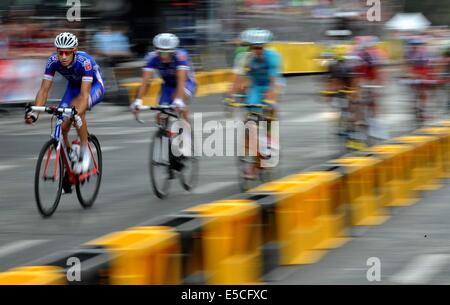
48, 178
160, 172
88, 185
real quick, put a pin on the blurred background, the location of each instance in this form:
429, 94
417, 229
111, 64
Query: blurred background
118, 33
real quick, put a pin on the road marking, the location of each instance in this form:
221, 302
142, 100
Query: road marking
20, 245
6, 167
138, 141
112, 131
421, 269
212, 187
310, 118
111, 148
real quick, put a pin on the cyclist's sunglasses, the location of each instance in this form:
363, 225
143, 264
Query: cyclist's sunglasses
256, 47
165, 52
65, 53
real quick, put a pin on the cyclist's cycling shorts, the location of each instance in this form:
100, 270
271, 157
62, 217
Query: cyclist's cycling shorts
256, 95
96, 96
168, 92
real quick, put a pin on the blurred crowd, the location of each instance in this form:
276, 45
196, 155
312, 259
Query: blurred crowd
208, 29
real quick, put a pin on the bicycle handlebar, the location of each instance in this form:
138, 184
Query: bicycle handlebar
162, 108
53, 110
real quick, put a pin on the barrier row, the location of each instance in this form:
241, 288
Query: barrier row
208, 82
239, 240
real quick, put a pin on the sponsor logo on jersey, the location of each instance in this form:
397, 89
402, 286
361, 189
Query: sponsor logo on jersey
87, 65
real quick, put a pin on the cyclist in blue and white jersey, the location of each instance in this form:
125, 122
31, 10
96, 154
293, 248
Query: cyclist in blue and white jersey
84, 89
175, 68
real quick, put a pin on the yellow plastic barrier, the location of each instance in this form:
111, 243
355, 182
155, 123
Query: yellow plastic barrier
331, 201
231, 241
397, 161
299, 57
300, 234
202, 79
219, 80
151, 97
443, 156
425, 154
144, 256
360, 190
33, 275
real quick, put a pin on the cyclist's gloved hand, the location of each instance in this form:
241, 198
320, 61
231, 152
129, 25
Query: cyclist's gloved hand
77, 122
178, 102
136, 105
30, 116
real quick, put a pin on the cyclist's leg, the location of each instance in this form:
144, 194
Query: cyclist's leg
66, 101
255, 96
165, 98
190, 88
189, 92
96, 95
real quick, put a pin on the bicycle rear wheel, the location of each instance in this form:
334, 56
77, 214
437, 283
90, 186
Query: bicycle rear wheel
160, 172
88, 185
189, 173
48, 179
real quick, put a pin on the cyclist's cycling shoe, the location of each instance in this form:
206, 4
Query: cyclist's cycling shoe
83, 164
67, 188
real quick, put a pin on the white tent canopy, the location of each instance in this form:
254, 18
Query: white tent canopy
408, 22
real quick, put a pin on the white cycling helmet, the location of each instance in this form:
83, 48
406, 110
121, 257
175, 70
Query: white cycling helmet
257, 36
66, 41
166, 41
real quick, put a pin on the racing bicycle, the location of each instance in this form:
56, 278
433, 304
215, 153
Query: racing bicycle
55, 169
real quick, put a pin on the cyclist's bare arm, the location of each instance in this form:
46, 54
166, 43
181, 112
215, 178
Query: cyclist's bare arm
146, 79
41, 97
180, 94
82, 100
272, 92
239, 84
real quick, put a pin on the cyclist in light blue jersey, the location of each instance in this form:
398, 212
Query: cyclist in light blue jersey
261, 66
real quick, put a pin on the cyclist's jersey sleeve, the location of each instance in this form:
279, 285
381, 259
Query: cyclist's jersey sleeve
274, 63
87, 69
83, 68
182, 61
151, 62
167, 71
51, 67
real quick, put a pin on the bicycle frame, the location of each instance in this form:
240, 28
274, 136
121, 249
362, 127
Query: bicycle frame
72, 176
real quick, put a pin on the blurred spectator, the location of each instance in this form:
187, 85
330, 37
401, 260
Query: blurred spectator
113, 44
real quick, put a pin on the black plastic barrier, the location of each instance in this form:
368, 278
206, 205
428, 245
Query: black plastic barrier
270, 247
